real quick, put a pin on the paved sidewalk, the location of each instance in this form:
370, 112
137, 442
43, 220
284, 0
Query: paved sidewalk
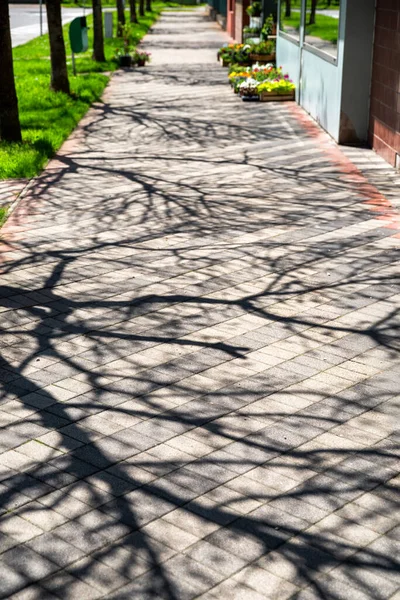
200, 353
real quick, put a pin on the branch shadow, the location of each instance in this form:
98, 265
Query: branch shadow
178, 324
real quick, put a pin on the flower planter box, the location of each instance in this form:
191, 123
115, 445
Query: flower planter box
263, 58
274, 97
255, 98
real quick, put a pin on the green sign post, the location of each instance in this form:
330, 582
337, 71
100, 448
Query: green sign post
78, 38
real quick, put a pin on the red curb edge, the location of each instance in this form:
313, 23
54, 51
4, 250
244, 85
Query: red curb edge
375, 200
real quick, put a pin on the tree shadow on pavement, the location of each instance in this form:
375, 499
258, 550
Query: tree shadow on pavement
200, 345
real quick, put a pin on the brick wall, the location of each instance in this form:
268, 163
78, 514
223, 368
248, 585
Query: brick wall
384, 128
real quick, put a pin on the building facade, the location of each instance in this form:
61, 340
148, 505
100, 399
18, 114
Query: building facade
384, 125
344, 56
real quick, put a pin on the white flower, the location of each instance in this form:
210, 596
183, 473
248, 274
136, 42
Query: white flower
249, 83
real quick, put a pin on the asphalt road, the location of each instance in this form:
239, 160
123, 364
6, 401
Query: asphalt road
25, 21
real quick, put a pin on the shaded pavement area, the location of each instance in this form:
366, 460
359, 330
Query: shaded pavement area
199, 352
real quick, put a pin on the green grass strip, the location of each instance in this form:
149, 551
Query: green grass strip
47, 118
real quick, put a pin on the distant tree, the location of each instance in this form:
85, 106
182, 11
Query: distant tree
133, 15
98, 36
313, 12
120, 16
10, 129
59, 73
141, 8
288, 10
148, 5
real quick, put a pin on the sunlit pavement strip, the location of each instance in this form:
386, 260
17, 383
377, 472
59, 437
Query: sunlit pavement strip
200, 353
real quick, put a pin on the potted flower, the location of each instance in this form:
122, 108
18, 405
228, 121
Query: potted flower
281, 88
269, 28
140, 58
264, 51
236, 78
123, 52
254, 12
234, 54
248, 89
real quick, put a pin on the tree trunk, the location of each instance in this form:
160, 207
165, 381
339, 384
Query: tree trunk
312, 12
120, 16
10, 129
141, 8
148, 5
59, 73
132, 6
98, 36
288, 11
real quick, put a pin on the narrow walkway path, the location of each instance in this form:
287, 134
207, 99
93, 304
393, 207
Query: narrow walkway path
200, 353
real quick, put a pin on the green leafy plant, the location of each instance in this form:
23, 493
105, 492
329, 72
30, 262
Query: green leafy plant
126, 39
235, 54
252, 30
268, 27
267, 48
234, 68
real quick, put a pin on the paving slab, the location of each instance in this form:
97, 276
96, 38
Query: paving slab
200, 358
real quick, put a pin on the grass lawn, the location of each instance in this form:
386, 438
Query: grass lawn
325, 28
47, 118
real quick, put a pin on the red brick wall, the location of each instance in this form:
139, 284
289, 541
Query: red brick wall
384, 128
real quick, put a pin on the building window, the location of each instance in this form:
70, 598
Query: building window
290, 18
322, 25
